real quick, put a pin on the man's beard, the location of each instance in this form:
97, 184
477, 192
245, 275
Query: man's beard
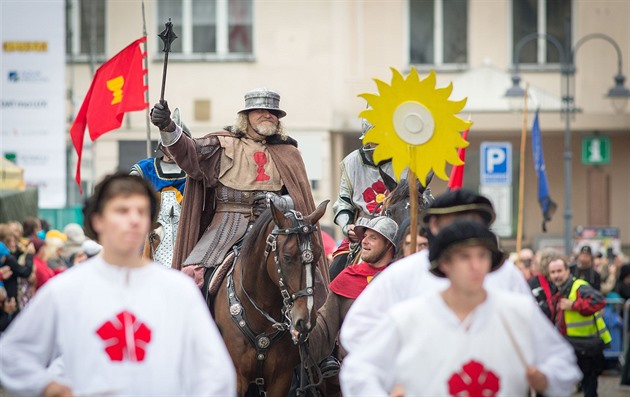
266, 129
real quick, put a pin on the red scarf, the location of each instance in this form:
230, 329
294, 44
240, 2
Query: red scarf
353, 280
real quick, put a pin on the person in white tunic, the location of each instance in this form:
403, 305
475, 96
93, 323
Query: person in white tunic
119, 324
465, 340
410, 276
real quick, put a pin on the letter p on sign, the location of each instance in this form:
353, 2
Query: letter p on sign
496, 163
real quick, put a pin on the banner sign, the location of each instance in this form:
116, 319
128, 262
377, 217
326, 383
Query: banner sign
32, 94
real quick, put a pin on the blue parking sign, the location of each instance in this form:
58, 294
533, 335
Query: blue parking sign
496, 163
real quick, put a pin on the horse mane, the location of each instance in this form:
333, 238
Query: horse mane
400, 193
257, 232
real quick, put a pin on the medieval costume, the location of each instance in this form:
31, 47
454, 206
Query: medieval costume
422, 345
225, 171
169, 181
409, 278
119, 331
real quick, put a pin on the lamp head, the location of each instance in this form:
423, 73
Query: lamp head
619, 90
515, 91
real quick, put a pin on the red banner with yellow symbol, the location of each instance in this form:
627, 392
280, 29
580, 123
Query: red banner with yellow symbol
118, 87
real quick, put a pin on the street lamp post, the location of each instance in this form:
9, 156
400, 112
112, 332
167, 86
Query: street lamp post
567, 70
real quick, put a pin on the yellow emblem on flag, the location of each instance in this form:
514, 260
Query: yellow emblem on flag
115, 85
415, 124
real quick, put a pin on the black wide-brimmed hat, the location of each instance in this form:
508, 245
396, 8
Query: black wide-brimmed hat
464, 233
460, 200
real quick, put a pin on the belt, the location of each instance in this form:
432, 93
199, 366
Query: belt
240, 208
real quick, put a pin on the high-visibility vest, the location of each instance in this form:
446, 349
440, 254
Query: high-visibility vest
579, 325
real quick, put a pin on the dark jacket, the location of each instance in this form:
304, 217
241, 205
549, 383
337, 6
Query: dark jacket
19, 271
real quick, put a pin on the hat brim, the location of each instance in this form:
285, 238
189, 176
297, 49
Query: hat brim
498, 256
487, 213
279, 112
360, 232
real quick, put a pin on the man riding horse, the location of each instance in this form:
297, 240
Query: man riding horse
232, 175
361, 194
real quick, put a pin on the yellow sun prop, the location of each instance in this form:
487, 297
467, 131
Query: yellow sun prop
415, 125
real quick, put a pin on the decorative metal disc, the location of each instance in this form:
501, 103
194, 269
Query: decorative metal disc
263, 342
307, 256
413, 122
236, 309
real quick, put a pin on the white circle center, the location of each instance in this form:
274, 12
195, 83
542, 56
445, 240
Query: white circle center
413, 122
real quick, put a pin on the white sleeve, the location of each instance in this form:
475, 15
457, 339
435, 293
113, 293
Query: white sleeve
554, 356
367, 310
402, 280
29, 346
209, 369
371, 370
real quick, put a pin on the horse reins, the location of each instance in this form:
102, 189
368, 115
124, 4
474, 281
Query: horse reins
264, 341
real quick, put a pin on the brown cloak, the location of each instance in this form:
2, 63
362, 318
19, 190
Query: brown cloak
200, 159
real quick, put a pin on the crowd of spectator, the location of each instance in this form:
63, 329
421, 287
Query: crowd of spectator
31, 253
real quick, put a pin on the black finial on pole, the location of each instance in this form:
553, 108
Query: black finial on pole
167, 36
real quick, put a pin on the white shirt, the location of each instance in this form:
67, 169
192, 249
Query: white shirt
405, 279
422, 345
120, 331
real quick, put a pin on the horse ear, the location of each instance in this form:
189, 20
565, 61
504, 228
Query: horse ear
318, 213
278, 216
390, 183
421, 188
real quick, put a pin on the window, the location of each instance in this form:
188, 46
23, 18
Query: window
438, 32
543, 16
213, 29
85, 26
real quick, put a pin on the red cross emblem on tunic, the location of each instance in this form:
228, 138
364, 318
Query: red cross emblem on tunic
126, 338
473, 380
261, 159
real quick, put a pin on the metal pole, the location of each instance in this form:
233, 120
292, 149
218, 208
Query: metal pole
568, 213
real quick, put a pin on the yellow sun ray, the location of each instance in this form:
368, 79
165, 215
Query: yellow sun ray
415, 124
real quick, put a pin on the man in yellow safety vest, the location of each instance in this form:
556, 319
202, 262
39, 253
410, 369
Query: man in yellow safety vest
576, 313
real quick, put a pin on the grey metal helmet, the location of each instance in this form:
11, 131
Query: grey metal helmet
365, 127
263, 98
386, 227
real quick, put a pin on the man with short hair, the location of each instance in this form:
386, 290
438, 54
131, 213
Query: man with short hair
466, 339
377, 252
584, 269
576, 310
122, 325
410, 276
232, 176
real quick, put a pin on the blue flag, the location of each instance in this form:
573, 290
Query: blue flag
547, 205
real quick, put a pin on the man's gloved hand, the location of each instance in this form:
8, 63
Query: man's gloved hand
161, 117
260, 202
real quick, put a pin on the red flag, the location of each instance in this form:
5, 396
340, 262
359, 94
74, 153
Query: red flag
118, 87
456, 181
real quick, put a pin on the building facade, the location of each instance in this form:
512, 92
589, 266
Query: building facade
319, 55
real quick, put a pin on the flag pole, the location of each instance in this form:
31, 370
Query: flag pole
413, 201
146, 79
521, 180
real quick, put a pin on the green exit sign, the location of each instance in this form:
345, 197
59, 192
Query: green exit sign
595, 150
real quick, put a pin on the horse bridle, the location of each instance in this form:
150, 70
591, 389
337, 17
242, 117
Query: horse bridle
302, 232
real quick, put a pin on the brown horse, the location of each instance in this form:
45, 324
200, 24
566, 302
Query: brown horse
265, 307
